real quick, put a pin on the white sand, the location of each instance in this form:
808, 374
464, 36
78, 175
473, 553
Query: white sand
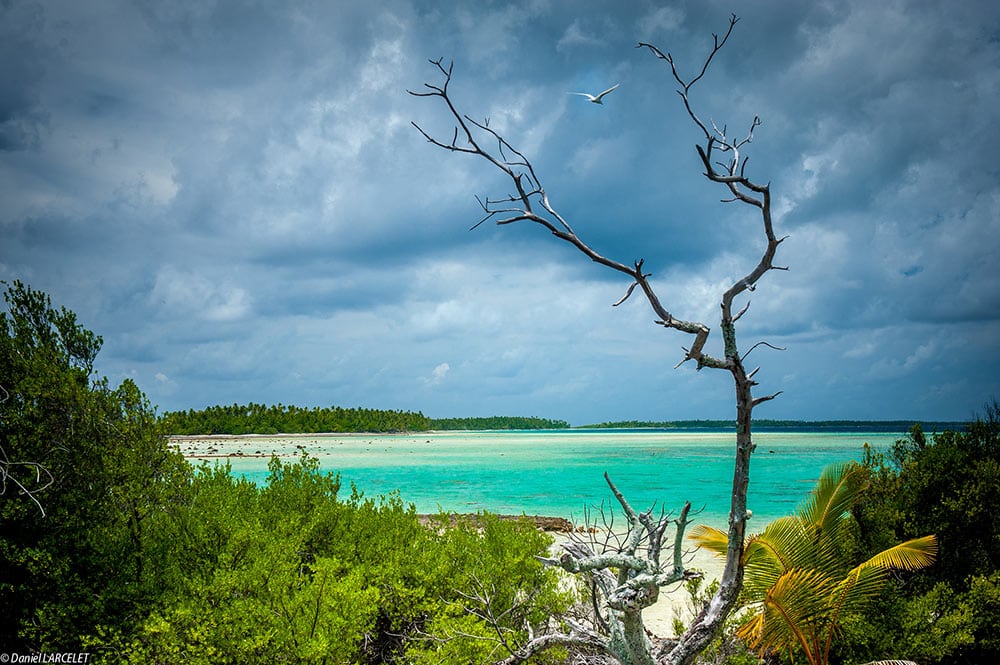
674, 600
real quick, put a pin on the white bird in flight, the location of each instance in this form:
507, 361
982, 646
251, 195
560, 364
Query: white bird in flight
596, 98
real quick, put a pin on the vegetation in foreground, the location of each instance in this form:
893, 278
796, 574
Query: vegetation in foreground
948, 484
803, 578
141, 558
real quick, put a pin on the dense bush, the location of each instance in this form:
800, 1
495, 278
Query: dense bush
140, 558
83, 553
291, 572
497, 422
948, 484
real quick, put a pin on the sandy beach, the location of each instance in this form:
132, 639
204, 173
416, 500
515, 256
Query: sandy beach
209, 446
674, 600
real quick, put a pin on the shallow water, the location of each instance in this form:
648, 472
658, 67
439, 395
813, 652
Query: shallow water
560, 473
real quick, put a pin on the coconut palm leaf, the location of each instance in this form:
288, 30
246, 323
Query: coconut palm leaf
790, 612
783, 546
791, 542
837, 490
712, 539
799, 573
857, 588
771, 554
867, 580
914, 554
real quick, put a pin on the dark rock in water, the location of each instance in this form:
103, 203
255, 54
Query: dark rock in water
542, 522
560, 524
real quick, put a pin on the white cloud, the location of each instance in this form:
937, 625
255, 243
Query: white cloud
437, 376
187, 294
660, 20
576, 36
601, 156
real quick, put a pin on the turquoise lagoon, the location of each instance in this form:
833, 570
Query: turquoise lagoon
560, 473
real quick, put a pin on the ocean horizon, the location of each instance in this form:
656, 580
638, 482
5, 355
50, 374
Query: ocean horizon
559, 473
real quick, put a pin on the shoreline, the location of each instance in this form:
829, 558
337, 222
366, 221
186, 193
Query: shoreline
673, 602
501, 473
297, 435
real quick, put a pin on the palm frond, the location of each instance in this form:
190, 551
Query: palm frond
798, 570
792, 607
867, 580
750, 631
790, 542
712, 539
836, 492
765, 562
856, 590
914, 554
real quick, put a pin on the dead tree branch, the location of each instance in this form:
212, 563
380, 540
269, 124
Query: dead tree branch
638, 579
42, 477
626, 572
533, 205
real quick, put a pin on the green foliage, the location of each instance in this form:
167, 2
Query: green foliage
725, 647
262, 419
497, 422
950, 483
140, 558
953, 485
292, 572
803, 575
941, 625
496, 589
90, 557
248, 589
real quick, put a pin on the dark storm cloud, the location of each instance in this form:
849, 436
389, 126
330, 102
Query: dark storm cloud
232, 195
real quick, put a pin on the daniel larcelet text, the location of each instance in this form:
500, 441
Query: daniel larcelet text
68, 657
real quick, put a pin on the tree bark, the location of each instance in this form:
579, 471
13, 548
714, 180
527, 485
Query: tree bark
638, 579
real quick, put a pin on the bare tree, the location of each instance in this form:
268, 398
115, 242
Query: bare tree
609, 626
22, 481
618, 598
721, 156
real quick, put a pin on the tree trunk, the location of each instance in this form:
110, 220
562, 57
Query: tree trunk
624, 635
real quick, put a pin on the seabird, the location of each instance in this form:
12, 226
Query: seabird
596, 98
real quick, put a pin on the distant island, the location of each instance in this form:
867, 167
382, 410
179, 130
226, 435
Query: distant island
497, 422
238, 419
765, 424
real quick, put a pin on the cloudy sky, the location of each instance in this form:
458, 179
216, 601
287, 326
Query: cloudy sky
231, 194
